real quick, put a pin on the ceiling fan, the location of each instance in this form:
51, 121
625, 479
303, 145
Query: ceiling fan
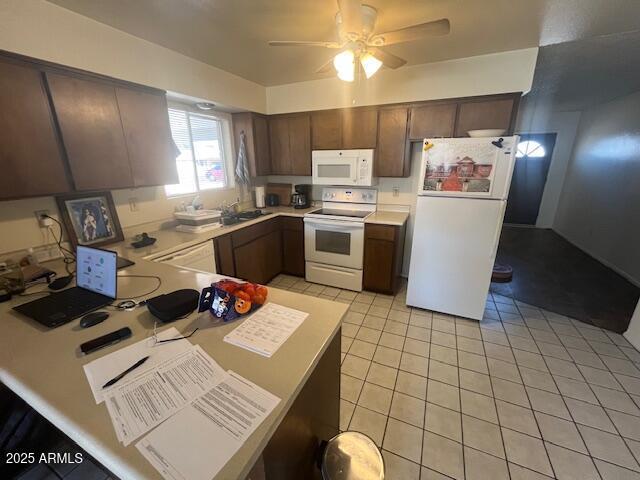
358, 40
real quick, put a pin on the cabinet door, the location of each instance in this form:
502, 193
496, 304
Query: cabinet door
89, 120
326, 130
250, 262
293, 246
300, 144
392, 155
359, 127
30, 154
223, 251
485, 114
279, 145
261, 145
378, 271
145, 121
272, 255
432, 121
261, 259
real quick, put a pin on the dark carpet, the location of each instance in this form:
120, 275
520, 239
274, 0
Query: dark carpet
551, 273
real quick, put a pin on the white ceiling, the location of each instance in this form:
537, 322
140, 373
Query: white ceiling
233, 34
573, 76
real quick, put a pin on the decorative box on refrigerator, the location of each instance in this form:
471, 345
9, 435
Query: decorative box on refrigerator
462, 197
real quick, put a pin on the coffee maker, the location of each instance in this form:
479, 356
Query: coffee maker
302, 196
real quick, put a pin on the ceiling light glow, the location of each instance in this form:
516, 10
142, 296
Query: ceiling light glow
370, 64
345, 65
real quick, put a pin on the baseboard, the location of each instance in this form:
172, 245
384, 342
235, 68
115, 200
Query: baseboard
605, 262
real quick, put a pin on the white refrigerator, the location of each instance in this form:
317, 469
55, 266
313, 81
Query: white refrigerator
462, 197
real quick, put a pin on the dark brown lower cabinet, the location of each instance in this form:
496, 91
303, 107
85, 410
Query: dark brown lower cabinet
257, 251
292, 451
223, 250
293, 246
383, 249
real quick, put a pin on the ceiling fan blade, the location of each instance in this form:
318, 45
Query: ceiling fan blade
293, 43
327, 67
351, 13
387, 59
415, 32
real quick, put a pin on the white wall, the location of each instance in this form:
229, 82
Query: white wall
599, 209
46, 31
535, 119
482, 75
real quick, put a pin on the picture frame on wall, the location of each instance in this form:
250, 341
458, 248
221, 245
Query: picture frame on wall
90, 218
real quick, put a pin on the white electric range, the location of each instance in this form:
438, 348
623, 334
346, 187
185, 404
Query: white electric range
334, 237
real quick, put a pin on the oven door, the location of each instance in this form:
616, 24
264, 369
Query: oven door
334, 242
334, 168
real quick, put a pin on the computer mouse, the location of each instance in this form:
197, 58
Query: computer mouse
93, 318
60, 282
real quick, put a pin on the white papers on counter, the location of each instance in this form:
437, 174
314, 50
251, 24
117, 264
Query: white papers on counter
139, 404
200, 439
267, 329
103, 369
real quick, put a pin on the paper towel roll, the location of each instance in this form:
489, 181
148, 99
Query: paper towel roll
260, 197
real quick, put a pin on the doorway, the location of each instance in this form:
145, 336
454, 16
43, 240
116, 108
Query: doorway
533, 159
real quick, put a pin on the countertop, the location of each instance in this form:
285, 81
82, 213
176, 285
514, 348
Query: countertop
170, 240
387, 217
44, 366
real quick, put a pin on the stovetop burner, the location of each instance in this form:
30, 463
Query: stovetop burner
338, 212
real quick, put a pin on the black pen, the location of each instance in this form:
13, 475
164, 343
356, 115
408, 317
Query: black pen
128, 370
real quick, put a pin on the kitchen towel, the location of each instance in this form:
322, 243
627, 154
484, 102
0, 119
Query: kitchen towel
242, 169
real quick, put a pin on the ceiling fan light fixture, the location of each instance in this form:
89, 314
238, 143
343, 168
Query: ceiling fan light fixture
344, 63
370, 64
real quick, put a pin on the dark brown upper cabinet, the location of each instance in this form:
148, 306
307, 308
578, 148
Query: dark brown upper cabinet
392, 158
432, 121
359, 127
30, 154
89, 120
147, 133
290, 144
326, 130
486, 113
256, 130
300, 144
279, 145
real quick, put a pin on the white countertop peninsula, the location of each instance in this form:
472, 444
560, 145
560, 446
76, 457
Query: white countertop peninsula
44, 366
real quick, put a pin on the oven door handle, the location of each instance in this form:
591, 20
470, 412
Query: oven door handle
334, 225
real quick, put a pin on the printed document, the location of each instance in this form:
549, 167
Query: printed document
103, 369
198, 441
138, 405
267, 329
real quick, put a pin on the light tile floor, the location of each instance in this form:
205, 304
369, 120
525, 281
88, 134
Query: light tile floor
523, 394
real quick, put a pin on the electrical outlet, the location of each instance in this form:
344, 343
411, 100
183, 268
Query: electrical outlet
396, 191
43, 221
133, 204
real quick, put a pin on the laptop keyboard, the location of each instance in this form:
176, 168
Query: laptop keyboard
77, 301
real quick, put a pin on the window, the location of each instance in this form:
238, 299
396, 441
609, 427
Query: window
530, 148
201, 163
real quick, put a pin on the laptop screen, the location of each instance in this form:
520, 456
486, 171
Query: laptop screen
96, 270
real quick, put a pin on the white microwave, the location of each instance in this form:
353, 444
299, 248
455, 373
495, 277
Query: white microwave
343, 167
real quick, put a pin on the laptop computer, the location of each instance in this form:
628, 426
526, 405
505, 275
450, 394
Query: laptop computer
96, 286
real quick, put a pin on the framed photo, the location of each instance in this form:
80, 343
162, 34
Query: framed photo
90, 218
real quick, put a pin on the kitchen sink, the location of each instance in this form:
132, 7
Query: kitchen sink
232, 219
